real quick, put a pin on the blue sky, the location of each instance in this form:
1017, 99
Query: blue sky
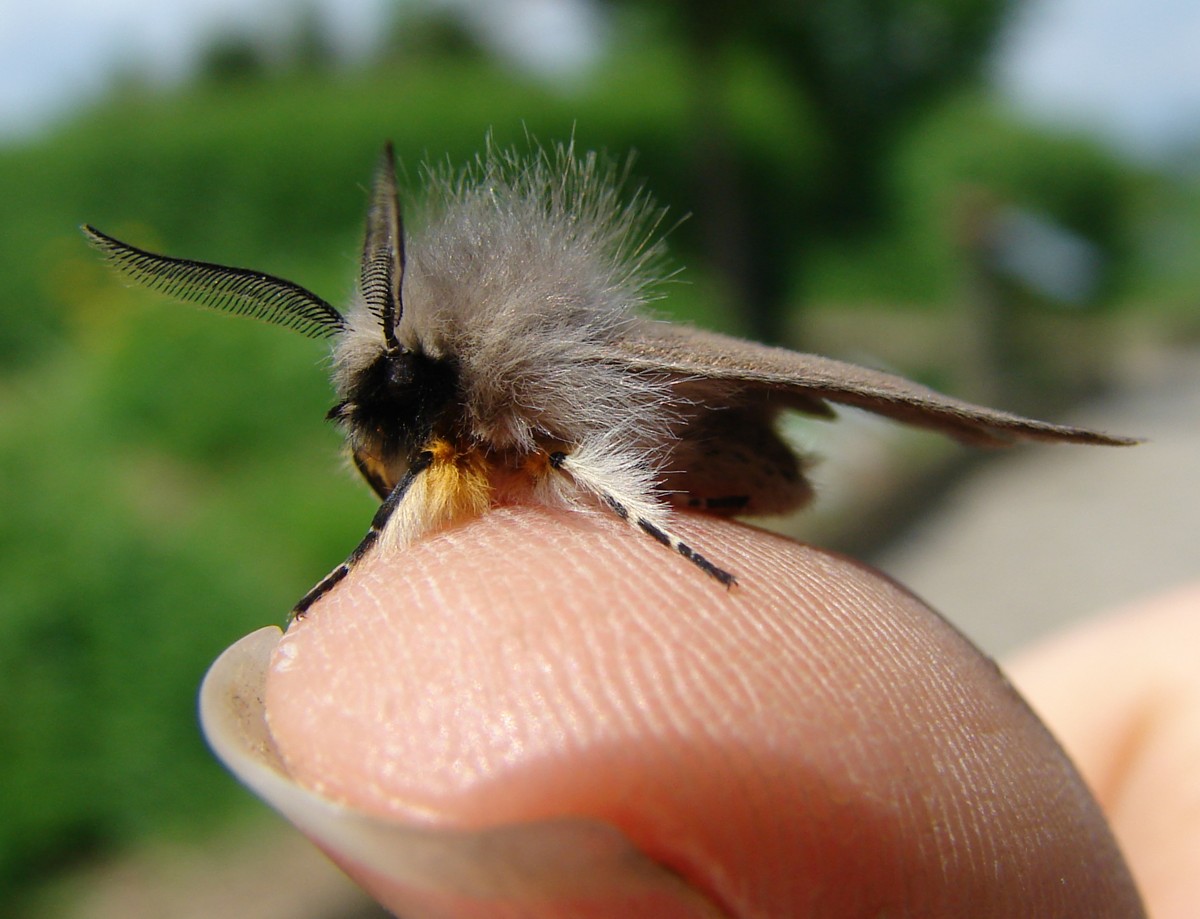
55, 54
1127, 69
1130, 69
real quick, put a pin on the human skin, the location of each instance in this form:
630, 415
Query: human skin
812, 742
1122, 693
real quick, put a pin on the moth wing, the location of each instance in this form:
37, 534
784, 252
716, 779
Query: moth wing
734, 462
809, 382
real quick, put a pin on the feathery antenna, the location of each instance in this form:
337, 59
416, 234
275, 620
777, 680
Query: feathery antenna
232, 290
383, 250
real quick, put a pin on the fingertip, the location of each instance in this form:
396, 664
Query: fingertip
812, 735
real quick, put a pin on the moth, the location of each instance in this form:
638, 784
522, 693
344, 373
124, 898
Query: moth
503, 352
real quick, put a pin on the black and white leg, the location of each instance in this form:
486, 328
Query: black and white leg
632, 505
378, 522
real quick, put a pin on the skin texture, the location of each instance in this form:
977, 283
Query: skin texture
1123, 694
813, 742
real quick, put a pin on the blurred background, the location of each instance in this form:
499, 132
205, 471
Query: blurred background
997, 197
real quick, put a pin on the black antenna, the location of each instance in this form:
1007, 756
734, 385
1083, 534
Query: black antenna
383, 251
233, 290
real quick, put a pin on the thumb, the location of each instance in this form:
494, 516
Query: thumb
814, 741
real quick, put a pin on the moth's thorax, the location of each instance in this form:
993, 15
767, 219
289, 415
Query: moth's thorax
521, 374
525, 301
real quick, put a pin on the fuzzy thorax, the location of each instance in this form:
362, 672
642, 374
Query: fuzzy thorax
521, 274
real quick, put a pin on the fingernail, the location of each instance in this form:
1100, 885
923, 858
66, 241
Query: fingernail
563, 867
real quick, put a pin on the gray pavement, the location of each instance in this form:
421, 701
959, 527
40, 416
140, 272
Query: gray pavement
1046, 535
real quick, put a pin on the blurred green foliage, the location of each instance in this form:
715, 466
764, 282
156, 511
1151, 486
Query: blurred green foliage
166, 480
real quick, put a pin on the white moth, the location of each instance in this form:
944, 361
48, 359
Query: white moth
501, 352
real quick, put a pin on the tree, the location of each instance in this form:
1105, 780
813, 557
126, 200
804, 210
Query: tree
863, 71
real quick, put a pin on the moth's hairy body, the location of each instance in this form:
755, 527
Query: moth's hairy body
501, 354
525, 277
520, 277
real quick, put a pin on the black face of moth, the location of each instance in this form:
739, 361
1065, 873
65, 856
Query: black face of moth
397, 402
